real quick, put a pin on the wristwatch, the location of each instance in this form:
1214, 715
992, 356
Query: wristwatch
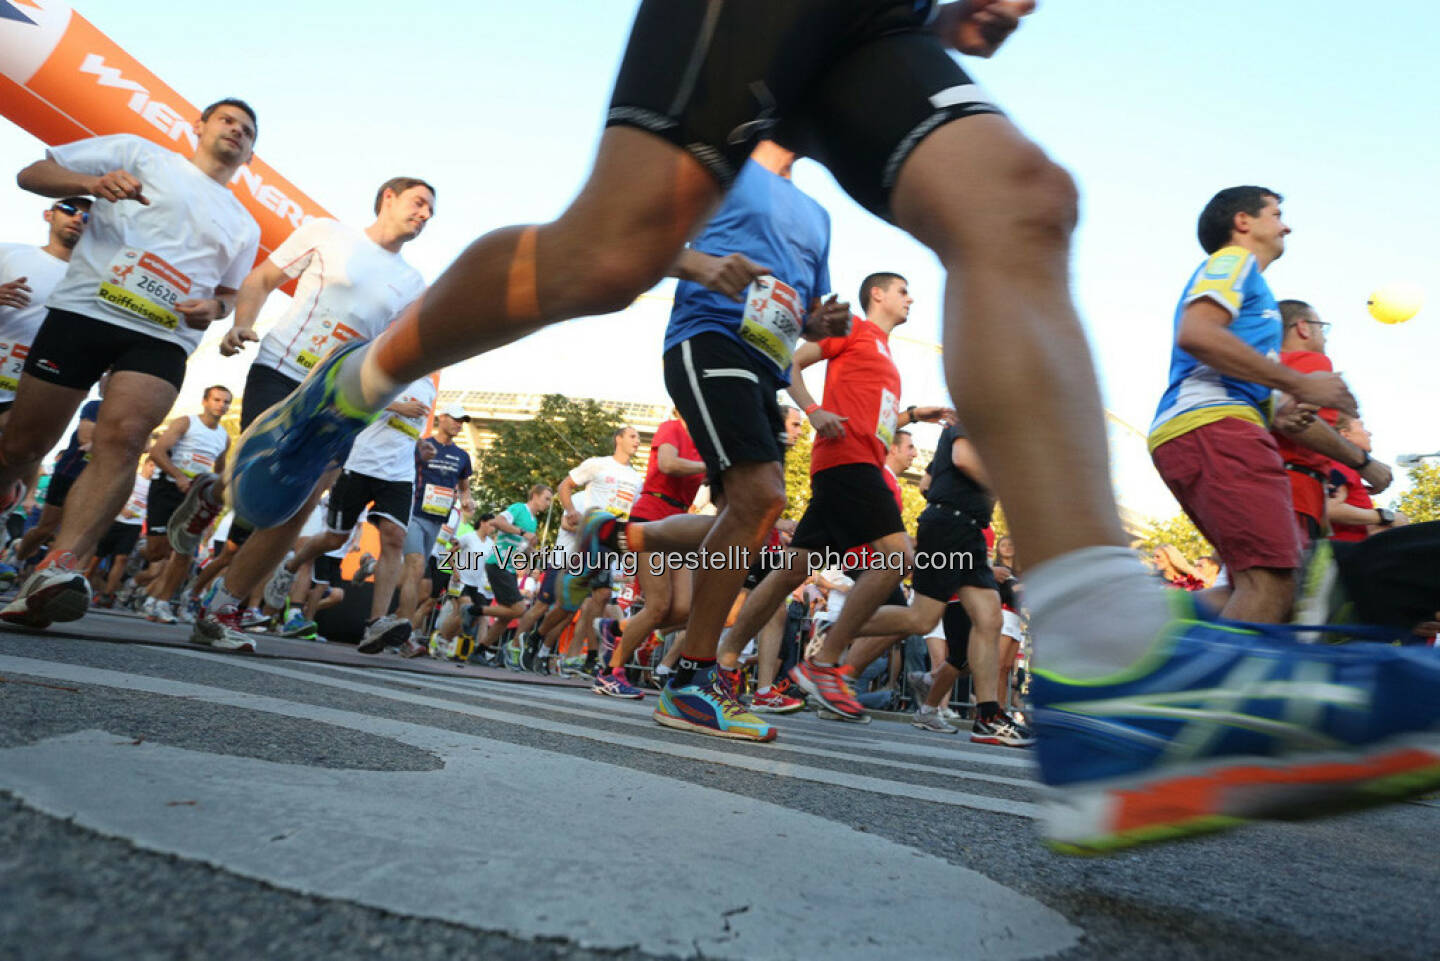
1387, 517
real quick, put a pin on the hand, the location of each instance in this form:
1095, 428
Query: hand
1400, 520
16, 293
571, 520
827, 424
116, 186
235, 340
410, 408
198, 314
979, 27
828, 319
1293, 418
1427, 628
1377, 477
182, 483
1325, 389
930, 415
530, 537
729, 275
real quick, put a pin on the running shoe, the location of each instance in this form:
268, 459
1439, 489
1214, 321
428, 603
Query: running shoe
514, 653
573, 667
196, 512
413, 648
277, 591
592, 552
528, 652
105, 601
1221, 723
297, 625
277, 462
254, 617
9, 574
50, 594
708, 710
220, 629
148, 608
1000, 730
830, 686
932, 721
774, 701
542, 665
825, 714
161, 613
387, 631
616, 684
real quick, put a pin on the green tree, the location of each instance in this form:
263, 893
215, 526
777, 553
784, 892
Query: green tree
542, 450
1177, 530
1422, 501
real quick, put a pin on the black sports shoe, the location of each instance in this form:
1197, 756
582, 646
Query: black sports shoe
528, 652
1000, 730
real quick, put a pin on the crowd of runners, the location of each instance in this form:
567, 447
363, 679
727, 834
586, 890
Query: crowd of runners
1156, 713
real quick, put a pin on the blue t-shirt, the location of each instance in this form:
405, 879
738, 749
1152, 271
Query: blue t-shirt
440, 478
72, 459
1199, 394
768, 219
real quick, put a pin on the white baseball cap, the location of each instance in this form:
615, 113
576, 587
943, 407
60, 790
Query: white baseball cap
456, 411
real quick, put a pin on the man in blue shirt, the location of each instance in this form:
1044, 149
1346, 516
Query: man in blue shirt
1211, 439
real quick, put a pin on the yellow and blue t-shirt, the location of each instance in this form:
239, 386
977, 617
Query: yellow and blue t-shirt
1199, 394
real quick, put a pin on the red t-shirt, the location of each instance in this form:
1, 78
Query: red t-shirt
1307, 493
681, 490
1356, 496
863, 384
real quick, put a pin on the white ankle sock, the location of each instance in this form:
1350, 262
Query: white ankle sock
1094, 611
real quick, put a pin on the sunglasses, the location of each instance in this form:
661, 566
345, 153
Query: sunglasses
73, 211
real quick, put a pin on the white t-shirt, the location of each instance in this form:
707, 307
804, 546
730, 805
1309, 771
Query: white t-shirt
470, 550
386, 449
349, 288
42, 271
134, 261
835, 598
612, 486
565, 540
199, 448
134, 510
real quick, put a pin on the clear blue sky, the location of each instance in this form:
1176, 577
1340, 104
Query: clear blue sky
1152, 106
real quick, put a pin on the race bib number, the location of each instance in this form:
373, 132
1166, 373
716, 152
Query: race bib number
145, 286
325, 337
620, 502
197, 462
773, 320
12, 362
887, 417
437, 500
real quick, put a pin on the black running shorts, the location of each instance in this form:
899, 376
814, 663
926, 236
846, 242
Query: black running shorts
728, 400
118, 541
503, 585
264, 388
854, 84
950, 553
354, 492
850, 506
164, 498
325, 570
73, 350
59, 489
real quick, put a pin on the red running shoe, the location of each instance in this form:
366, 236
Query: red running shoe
831, 685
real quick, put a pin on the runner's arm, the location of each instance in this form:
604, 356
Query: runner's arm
826, 424
256, 286
1322, 438
673, 465
967, 459
729, 275
160, 450
48, 179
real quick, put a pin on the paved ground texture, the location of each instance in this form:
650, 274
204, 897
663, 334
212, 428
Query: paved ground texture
161, 801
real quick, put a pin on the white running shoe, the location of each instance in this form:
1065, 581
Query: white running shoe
188, 522
933, 722
162, 613
220, 629
388, 631
48, 595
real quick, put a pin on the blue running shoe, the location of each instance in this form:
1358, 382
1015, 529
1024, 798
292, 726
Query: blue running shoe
616, 684
277, 462
1222, 723
709, 710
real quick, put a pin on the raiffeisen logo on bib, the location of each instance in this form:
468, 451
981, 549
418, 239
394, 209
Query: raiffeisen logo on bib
63, 80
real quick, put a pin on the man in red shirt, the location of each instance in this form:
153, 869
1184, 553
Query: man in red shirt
1308, 456
850, 502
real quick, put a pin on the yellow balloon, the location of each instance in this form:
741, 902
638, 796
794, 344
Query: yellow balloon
1396, 303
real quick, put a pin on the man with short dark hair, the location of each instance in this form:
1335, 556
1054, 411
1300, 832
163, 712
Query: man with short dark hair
162, 258
350, 284
1210, 440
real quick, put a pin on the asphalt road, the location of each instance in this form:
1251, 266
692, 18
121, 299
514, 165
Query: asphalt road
162, 801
